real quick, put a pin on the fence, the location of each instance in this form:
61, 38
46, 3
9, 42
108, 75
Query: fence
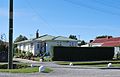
82, 53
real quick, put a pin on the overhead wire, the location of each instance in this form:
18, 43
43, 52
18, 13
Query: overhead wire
80, 3
43, 19
106, 4
114, 2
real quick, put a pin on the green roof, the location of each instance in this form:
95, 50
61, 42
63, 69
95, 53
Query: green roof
45, 37
25, 41
48, 38
62, 38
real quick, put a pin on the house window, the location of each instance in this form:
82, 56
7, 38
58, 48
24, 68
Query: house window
71, 44
20, 46
23, 46
59, 43
38, 46
28, 48
31, 45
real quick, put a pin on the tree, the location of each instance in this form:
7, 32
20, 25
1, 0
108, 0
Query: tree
103, 36
73, 37
82, 43
20, 38
3, 46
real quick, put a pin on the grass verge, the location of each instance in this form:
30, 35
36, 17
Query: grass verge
47, 70
26, 70
92, 63
36, 58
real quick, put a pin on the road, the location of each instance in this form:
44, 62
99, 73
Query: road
67, 71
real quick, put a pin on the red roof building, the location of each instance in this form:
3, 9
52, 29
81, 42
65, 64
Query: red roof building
111, 44
106, 42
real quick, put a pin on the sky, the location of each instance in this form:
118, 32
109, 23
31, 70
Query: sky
84, 18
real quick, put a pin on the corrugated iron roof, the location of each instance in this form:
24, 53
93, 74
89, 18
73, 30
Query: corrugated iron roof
111, 44
45, 37
63, 38
102, 40
108, 42
48, 38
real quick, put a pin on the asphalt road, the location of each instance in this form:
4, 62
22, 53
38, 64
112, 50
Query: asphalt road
67, 71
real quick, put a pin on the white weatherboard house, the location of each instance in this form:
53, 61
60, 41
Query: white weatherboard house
45, 44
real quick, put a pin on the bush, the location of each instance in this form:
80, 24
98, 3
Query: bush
15, 66
47, 58
38, 54
24, 55
118, 56
29, 55
18, 66
3, 56
3, 47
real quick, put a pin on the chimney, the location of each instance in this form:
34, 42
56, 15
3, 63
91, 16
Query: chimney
108, 37
91, 41
37, 34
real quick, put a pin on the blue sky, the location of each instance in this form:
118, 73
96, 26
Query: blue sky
84, 18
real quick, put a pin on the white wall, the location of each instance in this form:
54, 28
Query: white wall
96, 44
116, 51
51, 44
26, 47
36, 49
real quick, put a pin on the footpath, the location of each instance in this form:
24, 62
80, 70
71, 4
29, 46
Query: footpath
25, 60
53, 64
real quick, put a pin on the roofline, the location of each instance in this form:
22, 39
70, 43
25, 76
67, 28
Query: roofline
62, 40
37, 39
22, 42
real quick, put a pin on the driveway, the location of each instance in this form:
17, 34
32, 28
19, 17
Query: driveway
67, 71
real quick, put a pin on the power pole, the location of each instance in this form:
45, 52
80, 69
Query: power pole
10, 50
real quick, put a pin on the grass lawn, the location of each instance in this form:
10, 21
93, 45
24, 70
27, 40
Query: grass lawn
103, 65
26, 70
92, 63
36, 58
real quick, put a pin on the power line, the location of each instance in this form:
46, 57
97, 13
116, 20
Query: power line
112, 1
91, 7
47, 24
106, 4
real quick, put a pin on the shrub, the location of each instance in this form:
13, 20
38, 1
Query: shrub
17, 55
47, 58
118, 55
38, 54
3, 47
29, 55
15, 66
24, 55
18, 66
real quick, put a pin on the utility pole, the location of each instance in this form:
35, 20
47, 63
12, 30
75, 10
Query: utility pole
78, 37
10, 49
